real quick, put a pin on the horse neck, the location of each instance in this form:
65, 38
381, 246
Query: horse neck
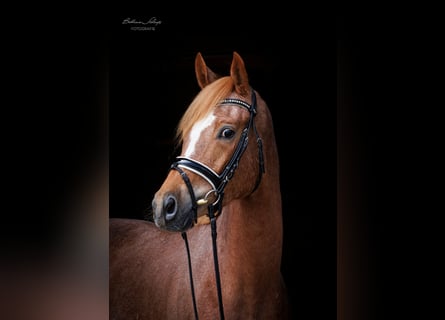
250, 229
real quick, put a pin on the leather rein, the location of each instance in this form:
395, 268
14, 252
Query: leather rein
218, 183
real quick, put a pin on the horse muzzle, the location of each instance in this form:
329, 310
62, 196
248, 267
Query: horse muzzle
170, 213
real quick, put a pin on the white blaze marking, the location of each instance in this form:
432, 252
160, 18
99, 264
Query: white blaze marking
195, 133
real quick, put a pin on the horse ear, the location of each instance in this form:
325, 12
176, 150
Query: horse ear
204, 75
239, 75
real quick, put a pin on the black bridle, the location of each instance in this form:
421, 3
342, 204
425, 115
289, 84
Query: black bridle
218, 183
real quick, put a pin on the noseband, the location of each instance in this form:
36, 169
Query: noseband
218, 183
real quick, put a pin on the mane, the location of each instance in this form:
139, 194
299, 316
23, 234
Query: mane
202, 105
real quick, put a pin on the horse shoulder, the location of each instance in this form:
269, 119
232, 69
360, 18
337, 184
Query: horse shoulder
142, 268
130, 294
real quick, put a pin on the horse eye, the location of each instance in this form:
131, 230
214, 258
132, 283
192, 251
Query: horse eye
227, 133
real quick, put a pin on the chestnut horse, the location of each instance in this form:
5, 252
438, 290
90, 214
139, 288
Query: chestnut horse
223, 196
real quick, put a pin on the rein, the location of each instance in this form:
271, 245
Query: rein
218, 183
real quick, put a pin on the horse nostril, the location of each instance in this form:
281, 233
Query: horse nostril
170, 207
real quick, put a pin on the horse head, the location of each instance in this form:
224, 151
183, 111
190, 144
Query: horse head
214, 133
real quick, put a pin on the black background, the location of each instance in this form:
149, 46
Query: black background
292, 65
390, 73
